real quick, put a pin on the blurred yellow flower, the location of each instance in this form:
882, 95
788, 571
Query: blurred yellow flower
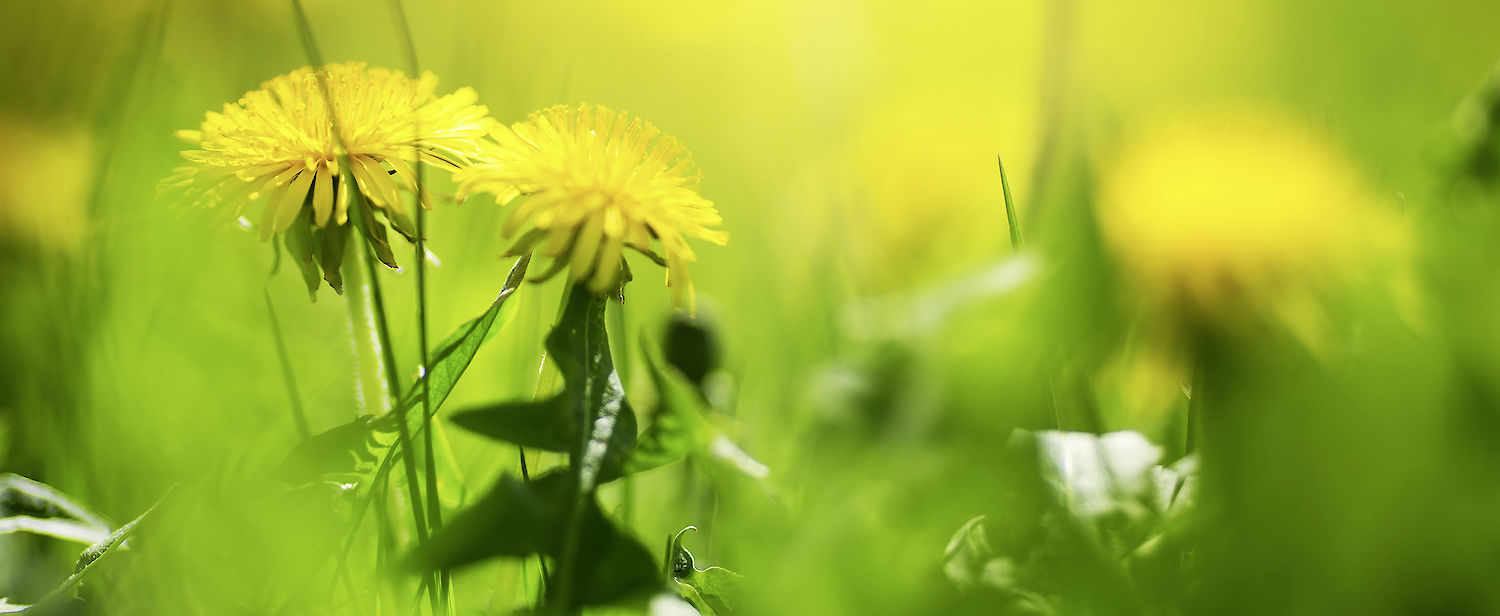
1212, 213
597, 181
46, 173
280, 142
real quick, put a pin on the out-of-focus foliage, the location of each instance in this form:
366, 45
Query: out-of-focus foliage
1247, 362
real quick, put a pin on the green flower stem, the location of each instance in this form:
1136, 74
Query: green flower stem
374, 359
373, 392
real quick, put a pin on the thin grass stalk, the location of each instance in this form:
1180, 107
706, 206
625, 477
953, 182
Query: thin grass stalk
1017, 243
434, 505
289, 376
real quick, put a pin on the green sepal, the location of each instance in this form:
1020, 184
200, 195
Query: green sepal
331, 241
302, 248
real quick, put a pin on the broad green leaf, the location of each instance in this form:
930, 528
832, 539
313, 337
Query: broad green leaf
713, 590
579, 345
611, 564
35, 507
542, 424
592, 390
518, 519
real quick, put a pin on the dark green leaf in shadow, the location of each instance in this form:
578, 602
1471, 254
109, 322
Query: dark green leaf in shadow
543, 424
518, 519
347, 450
611, 566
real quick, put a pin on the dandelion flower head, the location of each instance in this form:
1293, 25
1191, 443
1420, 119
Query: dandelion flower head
596, 181
283, 144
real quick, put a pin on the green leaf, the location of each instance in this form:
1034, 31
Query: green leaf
592, 390
542, 424
681, 428
89, 559
449, 361
518, 519
349, 449
713, 590
579, 345
451, 357
515, 519
343, 449
611, 565
35, 507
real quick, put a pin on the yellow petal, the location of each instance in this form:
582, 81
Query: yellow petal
365, 183
292, 200
341, 201
585, 246
323, 196
558, 240
278, 187
607, 270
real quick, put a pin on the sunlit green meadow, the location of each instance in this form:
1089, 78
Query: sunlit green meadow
1222, 339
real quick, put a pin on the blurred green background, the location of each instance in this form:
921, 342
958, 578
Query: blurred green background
872, 359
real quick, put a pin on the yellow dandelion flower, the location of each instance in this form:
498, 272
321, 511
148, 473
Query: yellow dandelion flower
279, 144
597, 181
1239, 210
